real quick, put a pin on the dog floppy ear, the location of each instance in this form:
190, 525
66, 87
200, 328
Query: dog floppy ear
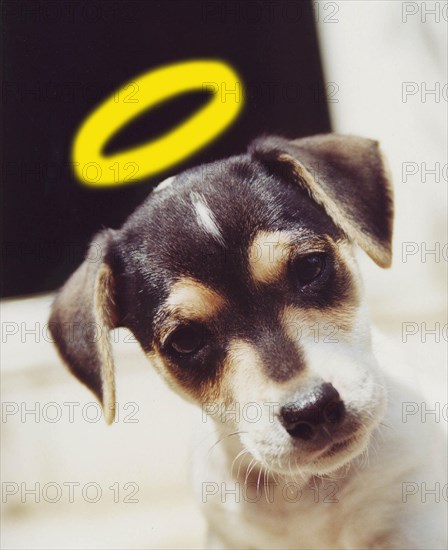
347, 176
82, 315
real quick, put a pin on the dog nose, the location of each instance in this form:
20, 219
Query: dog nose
321, 408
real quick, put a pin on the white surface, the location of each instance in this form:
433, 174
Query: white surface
369, 54
153, 453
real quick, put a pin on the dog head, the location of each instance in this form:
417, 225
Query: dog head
239, 281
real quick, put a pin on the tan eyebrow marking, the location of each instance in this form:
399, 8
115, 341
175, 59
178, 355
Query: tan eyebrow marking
268, 255
271, 251
191, 299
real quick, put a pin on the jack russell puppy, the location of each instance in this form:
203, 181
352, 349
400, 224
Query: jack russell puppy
239, 280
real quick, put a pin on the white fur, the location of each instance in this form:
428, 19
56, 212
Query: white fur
164, 184
370, 512
205, 217
369, 475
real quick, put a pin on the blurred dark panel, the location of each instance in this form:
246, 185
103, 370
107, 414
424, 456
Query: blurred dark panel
61, 59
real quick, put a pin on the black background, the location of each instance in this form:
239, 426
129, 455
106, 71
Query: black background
61, 59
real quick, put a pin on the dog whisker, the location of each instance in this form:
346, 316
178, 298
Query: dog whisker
240, 454
249, 469
258, 480
223, 438
266, 474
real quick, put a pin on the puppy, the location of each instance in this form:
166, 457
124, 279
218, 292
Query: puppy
239, 280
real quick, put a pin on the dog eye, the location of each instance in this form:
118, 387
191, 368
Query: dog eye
307, 268
185, 340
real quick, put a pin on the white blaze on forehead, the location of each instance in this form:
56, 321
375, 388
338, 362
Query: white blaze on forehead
205, 217
164, 184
